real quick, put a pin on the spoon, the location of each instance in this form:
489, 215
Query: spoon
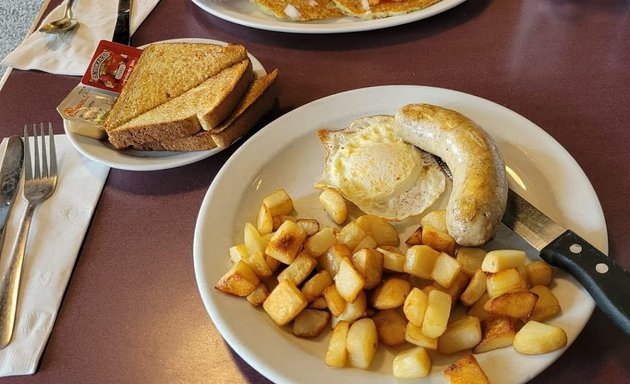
66, 23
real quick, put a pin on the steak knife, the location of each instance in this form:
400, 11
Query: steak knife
9, 179
121, 31
607, 282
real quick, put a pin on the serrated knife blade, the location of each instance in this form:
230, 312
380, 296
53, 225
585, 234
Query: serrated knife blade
606, 281
10, 172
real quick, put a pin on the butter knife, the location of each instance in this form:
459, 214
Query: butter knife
10, 172
607, 282
121, 31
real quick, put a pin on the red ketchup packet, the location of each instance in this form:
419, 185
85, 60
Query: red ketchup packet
110, 66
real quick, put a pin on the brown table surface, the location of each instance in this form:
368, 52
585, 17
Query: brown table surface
132, 312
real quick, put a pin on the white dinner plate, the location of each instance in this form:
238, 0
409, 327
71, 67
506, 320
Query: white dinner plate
103, 152
287, 154
245, 13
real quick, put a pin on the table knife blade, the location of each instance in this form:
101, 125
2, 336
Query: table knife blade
607, 282
10, 172
121, 31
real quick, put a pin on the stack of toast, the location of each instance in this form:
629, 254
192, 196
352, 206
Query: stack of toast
189, 97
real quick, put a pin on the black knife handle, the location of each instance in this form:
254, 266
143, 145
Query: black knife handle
121, 31
606, 281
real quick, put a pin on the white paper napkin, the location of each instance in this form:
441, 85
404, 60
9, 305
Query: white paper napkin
69, 53
55, 237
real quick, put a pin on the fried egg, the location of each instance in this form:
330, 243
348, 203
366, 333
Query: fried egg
379, 172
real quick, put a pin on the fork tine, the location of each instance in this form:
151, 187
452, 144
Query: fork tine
53, 152
44, 154
36, 163
28, 173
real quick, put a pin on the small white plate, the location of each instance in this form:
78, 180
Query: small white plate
103, 152
287, 154
245, 13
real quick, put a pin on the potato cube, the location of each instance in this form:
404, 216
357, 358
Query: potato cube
253, 240
445, 270
496, 332
258, 295
504, 281
240, 280
415, 305
310, 323
278, 203
256, 260
420, 260
475, 289
286, 242
391, 293
436, 219
547, 304
465, 371
280, 219
390, 326
353, 311
319, 303
437, 313
470, 258
369, 263
348, 281
332, 258
477, 309
272, 263
456, 288
502, 259
367, 242
517, 304
362, 343
336, 354
414, 335
381, 230
336, 303
320, 242
415, 238
460, 335
238, 252
314, 287
393, 258
536, 338
284, 303
412, 363
310, 226
438, 240
334, 204
351, 235
299, 269
264, 220
539, 273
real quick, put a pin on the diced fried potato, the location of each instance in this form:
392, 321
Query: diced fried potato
332, 258
314, 287
256, 260
436, 219
348, 281
414, 335
547, 304
284, 303
517, 304
258, 295
391, 293
351, 235
336, 354
238, 252
278, 220
437, 313
465, 371
415, 238
381, 230
272, 263
278, 203
353, 311
335, 205
496, 332
393, 258
438, 240
366, 242
310, 323
502, 259
310, 226
240, 280
299, 269
445, 270
457, 286
319, 303
369, 263
539, 273
460, 335
286, 242
420, 260
362, 343
264, 220
475, 289
412, 363
470, 258
415, 305
336, 303
504, 281
477, 309
253, 240
320, 242
390, 326
536, 338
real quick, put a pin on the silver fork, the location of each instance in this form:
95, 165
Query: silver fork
40, 180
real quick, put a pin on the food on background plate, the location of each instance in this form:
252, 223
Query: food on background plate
376, 9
